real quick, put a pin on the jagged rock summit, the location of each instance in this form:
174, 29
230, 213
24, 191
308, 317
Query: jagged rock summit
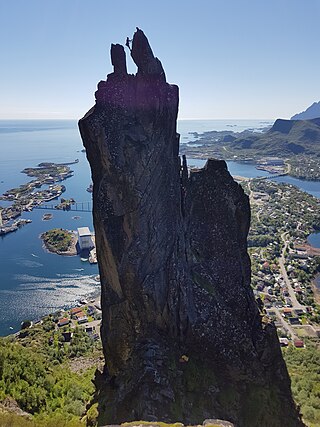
312, 112
182, 335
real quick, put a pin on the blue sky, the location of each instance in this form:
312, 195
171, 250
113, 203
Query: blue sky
230, 58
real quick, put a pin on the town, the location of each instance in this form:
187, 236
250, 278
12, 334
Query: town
283, 264
26, 197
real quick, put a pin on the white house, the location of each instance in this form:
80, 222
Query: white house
84, 238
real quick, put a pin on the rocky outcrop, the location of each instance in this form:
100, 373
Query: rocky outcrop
182, 335
10, 406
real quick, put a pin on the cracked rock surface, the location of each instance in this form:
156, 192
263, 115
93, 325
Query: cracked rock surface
182, 335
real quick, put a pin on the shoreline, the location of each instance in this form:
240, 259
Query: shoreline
95, 294
310, 250
315, 281
72, 250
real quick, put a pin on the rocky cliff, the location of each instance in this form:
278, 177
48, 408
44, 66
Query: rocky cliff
182, 335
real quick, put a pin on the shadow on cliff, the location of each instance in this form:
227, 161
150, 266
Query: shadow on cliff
183, 337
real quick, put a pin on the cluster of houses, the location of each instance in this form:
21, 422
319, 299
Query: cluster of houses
284, 342
273, 286
269, 281
88, 316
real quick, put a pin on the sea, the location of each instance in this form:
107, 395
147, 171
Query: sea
33, 282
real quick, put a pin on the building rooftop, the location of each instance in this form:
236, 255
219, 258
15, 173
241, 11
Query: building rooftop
84, 231
76, 310
63, 321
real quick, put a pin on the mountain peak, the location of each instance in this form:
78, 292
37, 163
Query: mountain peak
311, 112
182, 335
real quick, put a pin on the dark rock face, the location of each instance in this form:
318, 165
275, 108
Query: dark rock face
183, 337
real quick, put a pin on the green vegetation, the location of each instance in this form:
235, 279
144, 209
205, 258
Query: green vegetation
260, 240
288, 215
285, 139
12, 420
296, 142
35, 371
303, 366
305, 167
47, 169
57, 239
282, 218
260, 405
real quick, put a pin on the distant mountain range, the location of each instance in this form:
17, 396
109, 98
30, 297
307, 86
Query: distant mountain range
285, 138
311, 112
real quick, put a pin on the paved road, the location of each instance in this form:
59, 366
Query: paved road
285, 325
295, 302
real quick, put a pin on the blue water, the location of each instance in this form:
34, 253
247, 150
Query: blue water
246, 170
200, 126
32, 281
311, 187
314, 240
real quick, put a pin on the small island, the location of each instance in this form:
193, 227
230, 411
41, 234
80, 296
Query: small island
70, 243
60, 241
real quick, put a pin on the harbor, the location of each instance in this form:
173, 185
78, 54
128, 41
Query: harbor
14, 226
28, 196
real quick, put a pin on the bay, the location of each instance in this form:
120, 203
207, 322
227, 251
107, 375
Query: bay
247, 170
34, 282
311, 187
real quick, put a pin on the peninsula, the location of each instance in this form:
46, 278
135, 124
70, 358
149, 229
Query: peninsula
295, 143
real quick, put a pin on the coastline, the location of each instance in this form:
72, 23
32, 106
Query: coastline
72, 250
310, 250
94, 295
315, 282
